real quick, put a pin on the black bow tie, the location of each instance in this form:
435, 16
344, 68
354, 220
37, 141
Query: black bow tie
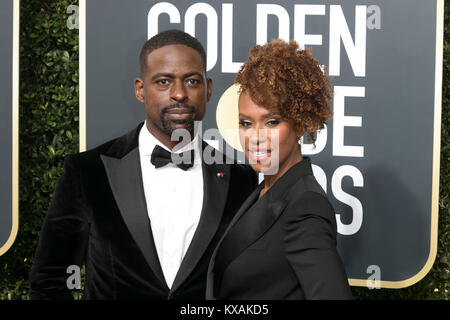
160, 157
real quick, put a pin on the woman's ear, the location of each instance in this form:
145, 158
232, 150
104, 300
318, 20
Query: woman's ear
299, 132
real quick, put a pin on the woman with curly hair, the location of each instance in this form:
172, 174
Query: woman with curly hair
282, 242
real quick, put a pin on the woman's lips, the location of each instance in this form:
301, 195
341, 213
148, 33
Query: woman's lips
259, 156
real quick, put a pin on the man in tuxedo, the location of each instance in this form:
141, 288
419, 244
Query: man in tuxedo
142, 212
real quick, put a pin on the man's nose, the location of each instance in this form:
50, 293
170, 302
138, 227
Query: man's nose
178, 92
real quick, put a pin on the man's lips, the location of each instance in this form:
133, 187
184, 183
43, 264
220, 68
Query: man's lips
179, 113
179, 110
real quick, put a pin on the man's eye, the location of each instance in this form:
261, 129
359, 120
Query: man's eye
163, 82
193, 81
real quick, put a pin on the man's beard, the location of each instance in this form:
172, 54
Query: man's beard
166, 124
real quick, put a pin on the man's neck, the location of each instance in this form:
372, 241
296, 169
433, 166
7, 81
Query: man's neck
166, 140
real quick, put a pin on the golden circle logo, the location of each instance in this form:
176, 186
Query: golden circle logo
227, 116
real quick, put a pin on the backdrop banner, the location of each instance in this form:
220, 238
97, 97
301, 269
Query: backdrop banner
9, 22
378, 158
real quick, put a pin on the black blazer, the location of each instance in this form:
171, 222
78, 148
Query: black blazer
98, 217
282, 246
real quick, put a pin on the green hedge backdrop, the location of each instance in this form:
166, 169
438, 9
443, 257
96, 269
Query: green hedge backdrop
49, 132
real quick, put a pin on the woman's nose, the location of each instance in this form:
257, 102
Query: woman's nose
257, 136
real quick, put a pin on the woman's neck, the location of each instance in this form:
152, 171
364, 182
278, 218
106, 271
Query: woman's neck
269, 180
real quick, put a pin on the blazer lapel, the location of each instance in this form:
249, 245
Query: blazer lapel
244, 207
251, 199
247, 228
215, 192
251, 223
125, 179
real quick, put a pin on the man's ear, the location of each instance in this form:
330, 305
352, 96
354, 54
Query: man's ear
139, 89
208, 89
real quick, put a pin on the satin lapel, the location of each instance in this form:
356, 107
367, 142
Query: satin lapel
125, 179
244, 207
250, 223
215, 192
247, 229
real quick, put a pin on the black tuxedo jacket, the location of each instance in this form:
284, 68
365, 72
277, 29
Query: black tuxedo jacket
98, 218
282, 246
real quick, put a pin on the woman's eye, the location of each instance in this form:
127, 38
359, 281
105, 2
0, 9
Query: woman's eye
273, 123
244, 123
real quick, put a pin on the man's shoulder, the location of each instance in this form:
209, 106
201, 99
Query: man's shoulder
92, 154
117, 148
238, 169
244, 169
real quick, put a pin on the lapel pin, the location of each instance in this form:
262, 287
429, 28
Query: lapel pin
220, 174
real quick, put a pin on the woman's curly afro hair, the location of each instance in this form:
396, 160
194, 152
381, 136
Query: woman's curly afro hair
280, 77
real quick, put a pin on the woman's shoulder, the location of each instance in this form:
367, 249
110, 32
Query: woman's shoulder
310, 216
307, 198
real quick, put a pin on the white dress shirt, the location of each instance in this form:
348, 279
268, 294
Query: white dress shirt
174, 200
